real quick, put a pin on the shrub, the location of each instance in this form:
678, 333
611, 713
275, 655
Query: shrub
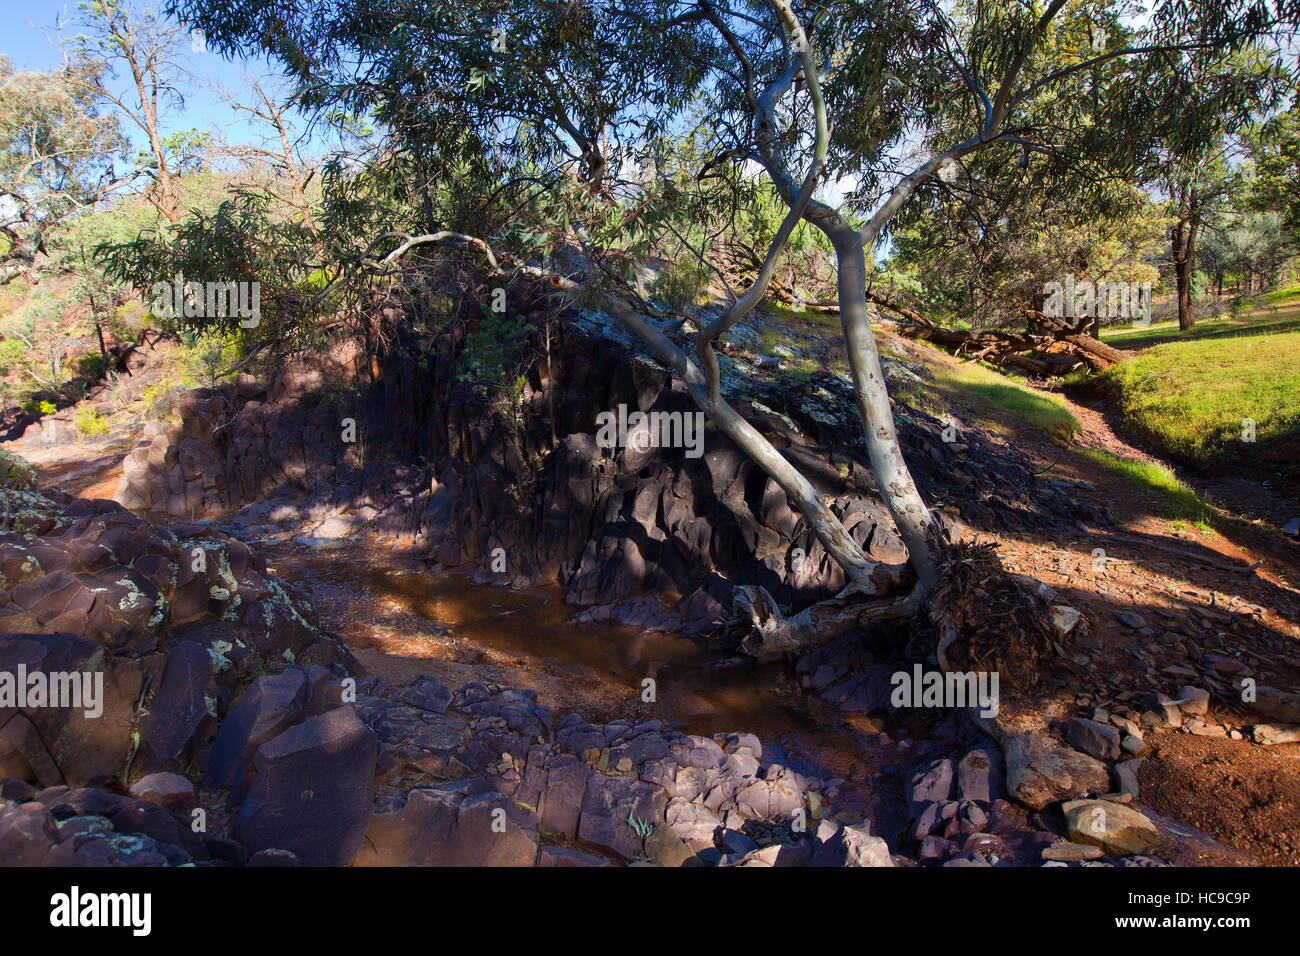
15, 472
681, 285
89, 421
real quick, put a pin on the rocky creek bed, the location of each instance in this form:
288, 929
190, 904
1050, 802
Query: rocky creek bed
224, 693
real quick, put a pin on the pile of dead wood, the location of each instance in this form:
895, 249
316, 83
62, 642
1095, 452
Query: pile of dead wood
1048, 346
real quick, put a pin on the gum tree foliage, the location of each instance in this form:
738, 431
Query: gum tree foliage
143, 48
57, 156
1213, 94
985, 238
570, 103
984, 247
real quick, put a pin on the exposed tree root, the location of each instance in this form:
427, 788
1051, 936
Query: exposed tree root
981, 617
990, 620
771, 632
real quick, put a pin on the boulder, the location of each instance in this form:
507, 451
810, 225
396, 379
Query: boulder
1114, 827
1040, 770
314, 790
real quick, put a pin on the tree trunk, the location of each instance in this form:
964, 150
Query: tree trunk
1183, 241
906, 507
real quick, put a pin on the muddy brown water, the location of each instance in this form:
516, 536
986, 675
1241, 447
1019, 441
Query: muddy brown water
400, 620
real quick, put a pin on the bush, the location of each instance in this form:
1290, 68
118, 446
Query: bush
91, 367
490, 351
15, 472
681, 285
89, 421
34, 407
13, 354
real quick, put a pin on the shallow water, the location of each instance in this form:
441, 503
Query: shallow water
400, 619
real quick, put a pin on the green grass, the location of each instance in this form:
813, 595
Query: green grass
1175, 499
804, 371
1192, 394
1000, 402
1282, 315
1281, 296
783, 313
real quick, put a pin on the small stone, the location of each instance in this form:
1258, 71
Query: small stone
1130, 620
934, 848
1065, 619
666, 847
736, 842
166, 790
1064, 851
1126, 776
1093, 738
1132, 744
1193, 700
1126, 726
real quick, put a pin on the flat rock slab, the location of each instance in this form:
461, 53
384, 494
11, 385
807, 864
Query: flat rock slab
314, 790
1093, 738
1276, 705
1271, 734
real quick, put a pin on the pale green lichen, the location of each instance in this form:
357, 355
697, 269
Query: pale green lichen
133, 598
217, 651
282, 597
759, 406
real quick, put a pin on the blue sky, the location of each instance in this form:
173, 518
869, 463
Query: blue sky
22, 41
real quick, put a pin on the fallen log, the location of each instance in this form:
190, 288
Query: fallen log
1060, 347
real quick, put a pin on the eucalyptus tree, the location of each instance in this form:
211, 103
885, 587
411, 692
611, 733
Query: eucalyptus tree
1216, 95
58, 156
570, 97
133, 36
1273, 173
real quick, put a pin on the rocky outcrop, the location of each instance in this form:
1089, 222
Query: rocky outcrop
151, 630
522, 485
521, 788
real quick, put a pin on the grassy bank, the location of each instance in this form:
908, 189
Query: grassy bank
1194, 395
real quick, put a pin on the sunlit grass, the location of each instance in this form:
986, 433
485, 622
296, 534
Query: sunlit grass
1000, 403
1195, 397
1174, 498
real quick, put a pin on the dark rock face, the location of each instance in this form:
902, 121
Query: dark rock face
314, 790
179, 708
448, 471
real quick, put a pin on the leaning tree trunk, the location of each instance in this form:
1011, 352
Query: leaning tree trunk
905, 504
